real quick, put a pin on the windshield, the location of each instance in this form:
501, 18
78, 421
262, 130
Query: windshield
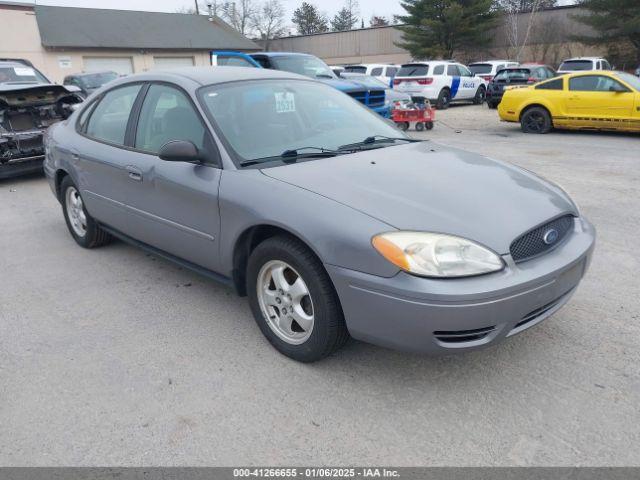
479, 68
96, 80
575, 65
306, 65
262, 119
21, 74
630, 79
513, 74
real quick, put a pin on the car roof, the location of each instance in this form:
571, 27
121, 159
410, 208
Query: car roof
210, 75
493, 62
10, 63
280, 54
583, 58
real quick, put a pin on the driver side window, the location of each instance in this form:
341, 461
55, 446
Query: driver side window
594, 83
167, 114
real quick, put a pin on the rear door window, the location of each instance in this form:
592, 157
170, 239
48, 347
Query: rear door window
413, 71
452, 70
376, 72
109, 119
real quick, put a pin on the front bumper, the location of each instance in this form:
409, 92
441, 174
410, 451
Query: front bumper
23, 166
435, 316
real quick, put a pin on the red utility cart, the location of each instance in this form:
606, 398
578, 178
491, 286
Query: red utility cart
422, 116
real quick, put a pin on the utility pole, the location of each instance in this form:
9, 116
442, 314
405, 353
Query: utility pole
197, 7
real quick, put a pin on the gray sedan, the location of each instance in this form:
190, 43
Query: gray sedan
331, 221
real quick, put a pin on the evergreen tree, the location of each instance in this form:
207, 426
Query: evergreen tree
614, 21
377, 21
346, 18
438, 28
308, 19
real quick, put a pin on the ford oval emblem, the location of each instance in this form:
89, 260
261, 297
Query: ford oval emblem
550, 236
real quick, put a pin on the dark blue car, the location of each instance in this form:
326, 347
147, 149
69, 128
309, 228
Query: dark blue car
307, 65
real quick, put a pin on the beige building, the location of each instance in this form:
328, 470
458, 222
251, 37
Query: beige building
61, 41
549, 42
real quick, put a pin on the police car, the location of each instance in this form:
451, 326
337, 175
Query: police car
441, 82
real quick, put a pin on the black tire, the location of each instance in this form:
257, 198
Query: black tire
329, 329
444, 99
481, 95
94, 235
536, 120
419, 127
404, 126
429, 125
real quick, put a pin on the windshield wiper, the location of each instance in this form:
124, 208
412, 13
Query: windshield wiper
292, 156
375, 140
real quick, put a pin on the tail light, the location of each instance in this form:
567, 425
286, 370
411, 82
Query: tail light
488, 78
397, 81
532, 80
425, 81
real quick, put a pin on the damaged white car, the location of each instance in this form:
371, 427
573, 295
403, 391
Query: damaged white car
29, 104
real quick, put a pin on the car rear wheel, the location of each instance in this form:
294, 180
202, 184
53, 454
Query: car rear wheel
83, 228
293, 300
444, 99
419, 127
481, 94
536, 120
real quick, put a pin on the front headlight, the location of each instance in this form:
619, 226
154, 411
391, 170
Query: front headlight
436, 254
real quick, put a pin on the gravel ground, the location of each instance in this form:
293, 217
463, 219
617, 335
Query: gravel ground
115, 357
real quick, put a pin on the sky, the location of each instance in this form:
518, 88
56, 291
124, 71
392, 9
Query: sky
367, 7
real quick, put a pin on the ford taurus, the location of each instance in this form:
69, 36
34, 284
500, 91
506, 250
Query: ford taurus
331, 221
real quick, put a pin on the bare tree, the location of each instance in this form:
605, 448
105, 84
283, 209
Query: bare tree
269, 21
239, 14
517, 37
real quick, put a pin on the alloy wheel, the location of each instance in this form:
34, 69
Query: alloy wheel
75, 212
285, 302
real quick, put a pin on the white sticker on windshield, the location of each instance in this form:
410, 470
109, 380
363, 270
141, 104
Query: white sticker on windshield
24, 71
285, 102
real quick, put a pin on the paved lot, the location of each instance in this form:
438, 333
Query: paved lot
111, 356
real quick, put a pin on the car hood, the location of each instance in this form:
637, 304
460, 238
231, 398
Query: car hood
32, 94
427, 187
344, 85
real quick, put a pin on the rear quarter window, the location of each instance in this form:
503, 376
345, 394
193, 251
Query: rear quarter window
550, 85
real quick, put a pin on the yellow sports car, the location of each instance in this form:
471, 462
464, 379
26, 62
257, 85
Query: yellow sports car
597, 100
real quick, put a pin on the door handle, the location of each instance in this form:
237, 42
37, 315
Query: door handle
134, 173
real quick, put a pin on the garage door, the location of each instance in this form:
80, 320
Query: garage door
173, 62
120, 65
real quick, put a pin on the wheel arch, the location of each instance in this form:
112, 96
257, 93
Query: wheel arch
58, 177
247, 241
534, 105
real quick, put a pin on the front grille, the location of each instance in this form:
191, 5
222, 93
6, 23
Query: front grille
533, 243
460, 336
372, 98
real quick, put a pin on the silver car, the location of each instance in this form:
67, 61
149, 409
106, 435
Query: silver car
333, 223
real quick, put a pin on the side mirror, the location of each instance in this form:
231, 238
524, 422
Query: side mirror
179, 151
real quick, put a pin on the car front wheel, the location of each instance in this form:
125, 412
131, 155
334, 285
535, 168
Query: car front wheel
536, 120
481, 94
293, 300
83, 228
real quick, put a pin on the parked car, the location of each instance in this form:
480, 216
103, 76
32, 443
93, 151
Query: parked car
90, 82
331, 220
488, 69
525, 74
392, 96
29, 104
441, 82
587, 100
383, 72
638, 71
337, 69
309, 66
583, 63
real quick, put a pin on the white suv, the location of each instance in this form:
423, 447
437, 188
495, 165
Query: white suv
384, 73
583, 63
488, 69
441, 82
